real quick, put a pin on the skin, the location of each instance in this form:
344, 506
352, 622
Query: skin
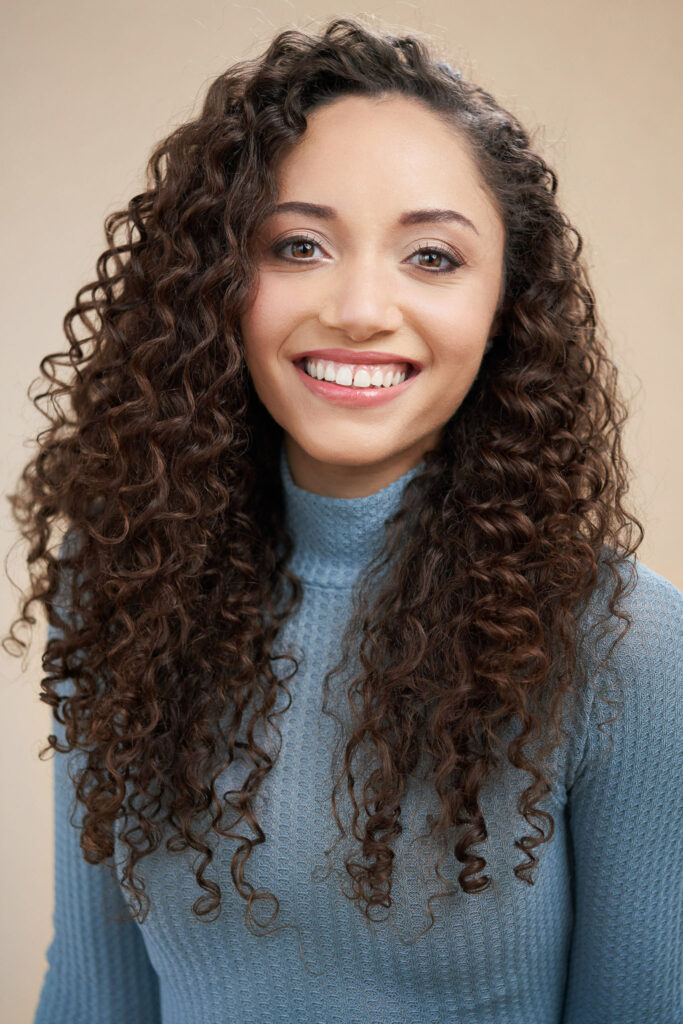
364, 285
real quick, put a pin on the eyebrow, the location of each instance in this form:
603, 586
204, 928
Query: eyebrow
409, 217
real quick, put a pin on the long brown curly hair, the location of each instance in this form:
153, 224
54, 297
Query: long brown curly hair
163, 474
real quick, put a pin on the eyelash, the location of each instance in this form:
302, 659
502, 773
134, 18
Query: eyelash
455, 261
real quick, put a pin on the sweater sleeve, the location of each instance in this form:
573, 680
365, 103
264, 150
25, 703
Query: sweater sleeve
98, 966
625, 815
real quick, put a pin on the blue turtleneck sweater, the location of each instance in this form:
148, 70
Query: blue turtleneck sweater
597, 939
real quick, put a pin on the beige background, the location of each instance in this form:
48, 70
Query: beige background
89, 87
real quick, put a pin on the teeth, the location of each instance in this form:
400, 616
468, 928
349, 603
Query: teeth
344, 374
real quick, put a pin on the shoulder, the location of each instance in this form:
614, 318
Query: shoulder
643, 631
624, 817
654, 597
632, 690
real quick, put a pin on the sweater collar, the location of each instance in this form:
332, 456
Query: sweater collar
334, 538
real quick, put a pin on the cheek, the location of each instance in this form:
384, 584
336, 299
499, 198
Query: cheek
265, 328
272, 313
259, 331
457, 337
462, 314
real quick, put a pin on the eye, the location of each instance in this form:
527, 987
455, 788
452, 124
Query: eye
304, 241
307, 244
434, 250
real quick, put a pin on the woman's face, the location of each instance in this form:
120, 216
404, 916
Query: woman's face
351, 277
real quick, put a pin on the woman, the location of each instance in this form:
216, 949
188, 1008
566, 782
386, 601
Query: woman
348, 595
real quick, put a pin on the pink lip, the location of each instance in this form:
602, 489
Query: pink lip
361, 398
345, 355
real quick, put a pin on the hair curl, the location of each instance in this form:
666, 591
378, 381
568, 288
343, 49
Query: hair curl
166, 473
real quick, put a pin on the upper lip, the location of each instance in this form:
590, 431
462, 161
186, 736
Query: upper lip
343, 355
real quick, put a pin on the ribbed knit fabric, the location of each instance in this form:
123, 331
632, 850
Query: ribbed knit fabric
597, 939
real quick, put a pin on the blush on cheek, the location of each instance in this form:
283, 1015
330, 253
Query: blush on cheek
266, 328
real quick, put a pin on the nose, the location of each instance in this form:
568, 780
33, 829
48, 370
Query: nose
361, 302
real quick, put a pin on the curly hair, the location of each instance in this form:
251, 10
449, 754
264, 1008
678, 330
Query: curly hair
164, 472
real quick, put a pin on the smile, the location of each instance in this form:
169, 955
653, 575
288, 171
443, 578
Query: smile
362, 385
358, 375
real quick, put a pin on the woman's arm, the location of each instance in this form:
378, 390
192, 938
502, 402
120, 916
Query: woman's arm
98, 968
626, 822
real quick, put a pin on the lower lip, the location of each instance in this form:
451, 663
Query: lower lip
361, 398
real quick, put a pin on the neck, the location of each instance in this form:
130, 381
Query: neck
335, 538
332, 480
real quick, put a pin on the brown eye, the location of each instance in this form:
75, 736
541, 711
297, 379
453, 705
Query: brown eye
432, 253
427, 255
303, 245
293, 242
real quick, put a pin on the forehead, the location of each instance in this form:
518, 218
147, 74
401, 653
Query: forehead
368, 153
